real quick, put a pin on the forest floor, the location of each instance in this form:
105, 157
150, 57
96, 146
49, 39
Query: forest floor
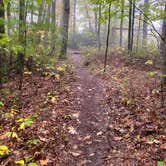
75, 116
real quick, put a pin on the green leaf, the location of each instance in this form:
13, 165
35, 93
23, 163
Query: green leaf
160, 163
48, 2
33, 141
39, 1
1, 104
28, 122
5, 2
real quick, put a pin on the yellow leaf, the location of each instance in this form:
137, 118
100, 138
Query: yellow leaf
149, 62
61, 68
20, 120
53, 99
22, 126
20, 162
57, 76
14, 135
4, 150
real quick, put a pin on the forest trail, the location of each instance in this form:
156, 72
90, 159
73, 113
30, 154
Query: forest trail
88, 138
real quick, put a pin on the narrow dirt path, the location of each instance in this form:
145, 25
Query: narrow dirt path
88, 139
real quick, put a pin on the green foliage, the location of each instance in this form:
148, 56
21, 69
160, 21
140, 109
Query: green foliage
26, 122
160, 163
1, 104
33, 142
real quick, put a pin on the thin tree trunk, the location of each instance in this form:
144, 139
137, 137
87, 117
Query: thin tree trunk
22, 40
107, 41
2, 31
53, 24
47, 26
138, 35
40, 20
99, 28
163, 49
53, 14
121, 24
74, 25
32, 10
96, 25
65, 27
8, 17
130, 27
145, 25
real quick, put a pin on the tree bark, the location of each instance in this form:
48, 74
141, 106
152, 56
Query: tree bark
2, 31
99, 28
32, 10
130, 27
65, 27
74, 26
145, 25
22, 24
107, 41
163, 50
138, 35
121, 24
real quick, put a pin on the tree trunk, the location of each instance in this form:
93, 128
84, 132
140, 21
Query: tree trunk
65, 27
47, 26
108, 36
40, 20
138, 35
130, 27
53, 24
2, 31
22, 24
96, 18
74, 26
8, 17
145, 25
121, 24
53, 14
32, 10
99, 28
163, 50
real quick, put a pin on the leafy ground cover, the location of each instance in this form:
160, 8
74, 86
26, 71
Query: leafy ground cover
35, 133
69, 116
137, 119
